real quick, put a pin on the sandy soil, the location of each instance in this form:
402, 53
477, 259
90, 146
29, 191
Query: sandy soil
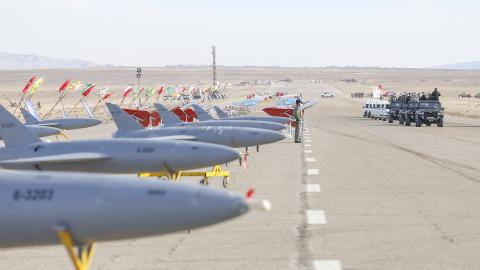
450, 83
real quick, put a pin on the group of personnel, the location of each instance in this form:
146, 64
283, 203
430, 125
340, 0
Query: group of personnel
357, 95
408, 97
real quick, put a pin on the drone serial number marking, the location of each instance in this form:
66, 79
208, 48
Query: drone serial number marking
33, 195
156, 192
145, 149
8, 125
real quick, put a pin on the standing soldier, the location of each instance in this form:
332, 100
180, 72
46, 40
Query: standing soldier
435, 95
297, 114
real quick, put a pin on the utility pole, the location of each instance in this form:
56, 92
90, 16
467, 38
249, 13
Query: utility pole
214, 66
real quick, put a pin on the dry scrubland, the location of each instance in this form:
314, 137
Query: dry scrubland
449, 82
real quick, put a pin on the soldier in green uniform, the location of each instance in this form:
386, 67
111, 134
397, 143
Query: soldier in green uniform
435, 95
297, 114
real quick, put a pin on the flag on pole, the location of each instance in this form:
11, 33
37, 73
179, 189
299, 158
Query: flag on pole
29, 83
149, 92
64, 86
104, 90
107, 96
160, 91
88, 89
127, 91
74, 86
36, 85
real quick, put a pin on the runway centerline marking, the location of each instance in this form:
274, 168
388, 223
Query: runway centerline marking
307, 137
312, 172
312, 188
307, 145
310, 159
308, 151
316, 217
308, 141
327, 265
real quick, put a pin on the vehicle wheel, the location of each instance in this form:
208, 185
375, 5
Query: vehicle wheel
226, 181
390, 119
369, 115
417, 122
401, 120
408, 121
440, 122
364, 114
428, 124
384, 119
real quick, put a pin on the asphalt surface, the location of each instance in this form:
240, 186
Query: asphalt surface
381, 196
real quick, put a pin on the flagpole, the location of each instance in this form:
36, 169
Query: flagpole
80, 100
54, 105
63, 106
19, 102
96, 105
121, 102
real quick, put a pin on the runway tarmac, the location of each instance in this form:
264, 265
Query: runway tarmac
356, 194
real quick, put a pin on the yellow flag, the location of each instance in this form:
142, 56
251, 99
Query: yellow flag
36, 85
74, 86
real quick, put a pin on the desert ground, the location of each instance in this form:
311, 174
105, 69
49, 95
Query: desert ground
356, 194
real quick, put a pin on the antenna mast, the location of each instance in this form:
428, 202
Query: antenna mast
214, 66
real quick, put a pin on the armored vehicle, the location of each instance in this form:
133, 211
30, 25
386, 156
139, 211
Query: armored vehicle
428, 112
409, 113
394, 112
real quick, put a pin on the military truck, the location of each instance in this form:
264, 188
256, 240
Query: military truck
409, 113
428, 112
394, 112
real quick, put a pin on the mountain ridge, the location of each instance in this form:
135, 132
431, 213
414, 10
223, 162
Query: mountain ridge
471, 65
33, 61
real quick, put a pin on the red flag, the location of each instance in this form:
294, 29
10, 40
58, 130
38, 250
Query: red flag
29, 83
127, 91
64, 86
107, 96
88, 90
160, 91
141, 90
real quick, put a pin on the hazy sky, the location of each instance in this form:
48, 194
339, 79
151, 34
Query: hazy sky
289, 33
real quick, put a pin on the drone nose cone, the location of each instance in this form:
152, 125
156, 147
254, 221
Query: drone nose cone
268, 136
41, 131
280, 120
276, 136
223, 154
227, 205
276, 126
200, 155
93, 122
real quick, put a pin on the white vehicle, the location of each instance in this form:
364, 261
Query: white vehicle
385, 112
369, 106
328, 94
380, 110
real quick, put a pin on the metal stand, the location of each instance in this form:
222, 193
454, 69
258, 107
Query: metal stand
64, 135
215, 172
82, 258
